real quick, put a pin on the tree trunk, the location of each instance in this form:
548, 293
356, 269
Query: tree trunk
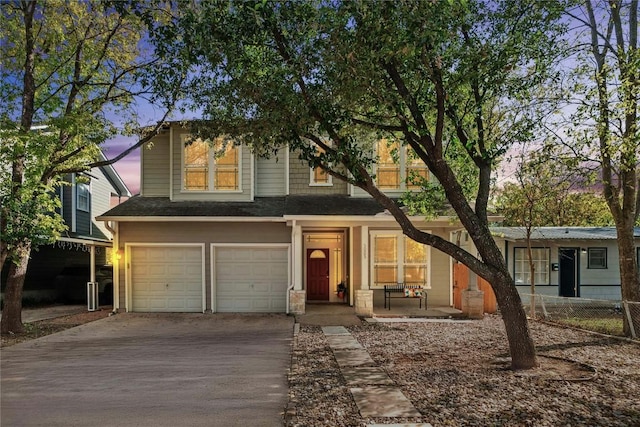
12, 310
521, 347
629, 281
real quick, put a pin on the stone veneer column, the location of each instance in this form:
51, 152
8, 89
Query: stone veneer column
364, 303
297, 299
473, 304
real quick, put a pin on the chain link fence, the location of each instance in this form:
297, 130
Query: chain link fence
604, 316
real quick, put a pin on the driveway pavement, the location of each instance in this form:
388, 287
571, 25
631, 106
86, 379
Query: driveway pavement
151, 370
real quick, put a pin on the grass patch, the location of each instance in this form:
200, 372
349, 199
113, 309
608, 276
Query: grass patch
610, 326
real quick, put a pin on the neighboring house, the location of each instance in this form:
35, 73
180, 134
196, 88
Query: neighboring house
239, 233
569, 261
60, 271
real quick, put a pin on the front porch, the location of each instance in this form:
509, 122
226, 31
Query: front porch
327, 314
410, 307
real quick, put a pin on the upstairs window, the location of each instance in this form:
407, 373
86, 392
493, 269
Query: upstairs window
319, 177
83, 196
211, 167
399, 168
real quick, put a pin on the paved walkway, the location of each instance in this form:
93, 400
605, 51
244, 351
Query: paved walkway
31, 314
374, 392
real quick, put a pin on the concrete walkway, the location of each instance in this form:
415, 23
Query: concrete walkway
374, 392
31, 314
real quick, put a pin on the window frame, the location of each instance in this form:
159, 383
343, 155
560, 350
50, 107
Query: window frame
83, 191
590, 264
525, 262
312, 173
404, 166
400, 263
211, 168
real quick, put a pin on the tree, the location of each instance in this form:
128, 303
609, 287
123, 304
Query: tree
67, 69
604, 124
440, 77
548, 193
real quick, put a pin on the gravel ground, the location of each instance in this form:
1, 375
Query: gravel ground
457, 374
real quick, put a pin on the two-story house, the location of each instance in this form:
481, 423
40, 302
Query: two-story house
233, 232
60, 271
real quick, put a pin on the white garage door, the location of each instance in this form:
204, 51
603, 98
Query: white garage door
251, 279
166, 278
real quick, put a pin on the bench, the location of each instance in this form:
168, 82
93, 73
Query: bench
402, 290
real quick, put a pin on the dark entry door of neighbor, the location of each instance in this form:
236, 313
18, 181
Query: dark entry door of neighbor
318, 275
569, 272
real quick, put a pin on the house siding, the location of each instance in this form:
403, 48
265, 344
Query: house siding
271, 175
100, 203
199, 232
300, 178
178, 194
83, 223
593, 283
155, 167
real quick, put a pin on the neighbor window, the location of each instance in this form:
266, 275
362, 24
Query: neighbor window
399, 168
597, 258
211, 166
83, 195
522, 270
397, 258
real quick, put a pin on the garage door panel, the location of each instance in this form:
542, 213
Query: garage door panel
166, 279
251, 279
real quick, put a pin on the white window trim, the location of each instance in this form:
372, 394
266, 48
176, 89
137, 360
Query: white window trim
81, 186
400, 251
211, 172
403, 172
313, 183
525, 262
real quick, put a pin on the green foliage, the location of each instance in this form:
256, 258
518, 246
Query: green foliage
65, 68
449, 79
557, 209
549, 192
70, 75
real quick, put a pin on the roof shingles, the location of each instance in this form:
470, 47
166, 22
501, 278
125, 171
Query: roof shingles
268, 207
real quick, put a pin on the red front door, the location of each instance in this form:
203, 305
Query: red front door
318, 275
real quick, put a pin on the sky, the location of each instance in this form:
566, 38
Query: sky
129, 167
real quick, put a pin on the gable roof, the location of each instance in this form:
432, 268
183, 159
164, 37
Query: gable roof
559, 233
114, 179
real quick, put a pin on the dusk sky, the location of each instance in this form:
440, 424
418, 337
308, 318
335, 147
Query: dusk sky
129, 167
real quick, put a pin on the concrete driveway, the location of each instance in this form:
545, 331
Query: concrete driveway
151, 370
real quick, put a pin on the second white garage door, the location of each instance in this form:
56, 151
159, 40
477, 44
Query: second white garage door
167, 278
251, 279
